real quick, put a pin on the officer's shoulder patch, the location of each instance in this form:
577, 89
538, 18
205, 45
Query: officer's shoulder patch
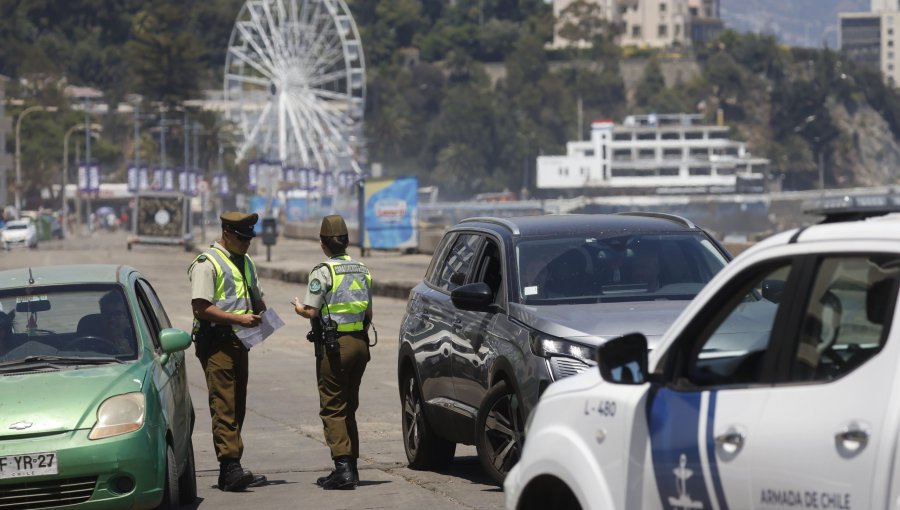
315, 286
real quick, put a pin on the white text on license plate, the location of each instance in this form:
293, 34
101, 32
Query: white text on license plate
28, 464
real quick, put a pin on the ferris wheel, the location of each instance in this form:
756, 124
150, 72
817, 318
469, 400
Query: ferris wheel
295, 82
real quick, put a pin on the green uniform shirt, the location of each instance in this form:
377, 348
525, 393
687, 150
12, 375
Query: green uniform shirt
203, 279
319, 283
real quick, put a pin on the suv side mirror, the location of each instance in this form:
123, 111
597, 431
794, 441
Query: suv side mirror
623, 360
772, 290
474, 297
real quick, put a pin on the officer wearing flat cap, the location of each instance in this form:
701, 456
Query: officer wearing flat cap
339, 305
225, 294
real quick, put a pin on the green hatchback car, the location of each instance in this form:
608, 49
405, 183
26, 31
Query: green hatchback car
95, 411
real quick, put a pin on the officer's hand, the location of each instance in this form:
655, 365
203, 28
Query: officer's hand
250, 320
297, 305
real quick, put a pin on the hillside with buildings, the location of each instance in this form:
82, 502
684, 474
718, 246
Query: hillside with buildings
804, 23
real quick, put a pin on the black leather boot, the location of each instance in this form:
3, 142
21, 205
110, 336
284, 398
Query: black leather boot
343, 477
323, 479
232, 477
353, 461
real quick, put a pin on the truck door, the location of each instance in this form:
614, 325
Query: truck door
717, 377
823, 437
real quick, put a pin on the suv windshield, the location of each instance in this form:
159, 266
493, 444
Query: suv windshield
80, 322
586, 269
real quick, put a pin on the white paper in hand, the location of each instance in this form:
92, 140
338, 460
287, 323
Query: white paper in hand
269, 324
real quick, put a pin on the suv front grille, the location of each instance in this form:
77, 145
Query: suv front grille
47, 494
564, 367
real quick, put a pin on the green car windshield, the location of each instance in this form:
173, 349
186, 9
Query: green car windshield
70, 323
608, 268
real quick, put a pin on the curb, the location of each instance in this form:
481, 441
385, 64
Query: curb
397, 290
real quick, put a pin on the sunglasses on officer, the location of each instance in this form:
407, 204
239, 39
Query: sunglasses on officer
240, 237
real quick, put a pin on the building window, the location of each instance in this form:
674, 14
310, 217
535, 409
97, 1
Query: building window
677, 30
890, 67
700, 170
589, 152
671, 153
647, 154
890, 43
662, 7
890, 31
663, 30
647, 136
890, 55
668, 172
725, 171
635, 31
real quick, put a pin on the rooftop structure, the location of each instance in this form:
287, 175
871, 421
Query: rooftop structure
657, 154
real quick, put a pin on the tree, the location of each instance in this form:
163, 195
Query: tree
652, 83
164, 54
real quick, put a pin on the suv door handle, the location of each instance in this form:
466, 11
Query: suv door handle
730, 442
457, 324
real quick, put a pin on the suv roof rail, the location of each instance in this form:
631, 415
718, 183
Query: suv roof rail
852, 207
497, 221
665, 216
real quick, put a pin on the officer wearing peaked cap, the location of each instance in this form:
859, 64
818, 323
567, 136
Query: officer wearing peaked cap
339, 305
225, 294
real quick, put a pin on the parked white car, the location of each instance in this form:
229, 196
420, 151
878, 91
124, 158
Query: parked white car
19, 233
777, 387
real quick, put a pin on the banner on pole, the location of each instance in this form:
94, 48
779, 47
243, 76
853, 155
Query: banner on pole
391, 213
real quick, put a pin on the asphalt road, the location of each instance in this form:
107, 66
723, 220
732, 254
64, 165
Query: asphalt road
282, 432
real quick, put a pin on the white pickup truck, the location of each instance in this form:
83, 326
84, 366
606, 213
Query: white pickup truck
777, 388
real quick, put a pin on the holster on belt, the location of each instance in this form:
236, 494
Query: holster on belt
205, 333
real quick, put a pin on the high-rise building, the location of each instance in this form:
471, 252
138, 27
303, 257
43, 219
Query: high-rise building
646, 23
870, 38
885, 5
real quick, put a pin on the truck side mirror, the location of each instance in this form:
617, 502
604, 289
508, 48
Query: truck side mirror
623, 360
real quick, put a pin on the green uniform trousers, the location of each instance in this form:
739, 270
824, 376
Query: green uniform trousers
339, 374
227, 369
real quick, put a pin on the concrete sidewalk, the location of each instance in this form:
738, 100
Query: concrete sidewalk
394, 274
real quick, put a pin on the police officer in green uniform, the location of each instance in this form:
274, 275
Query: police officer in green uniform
225, 294
339, 305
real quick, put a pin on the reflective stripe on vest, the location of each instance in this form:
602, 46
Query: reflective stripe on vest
348, 298
232, 290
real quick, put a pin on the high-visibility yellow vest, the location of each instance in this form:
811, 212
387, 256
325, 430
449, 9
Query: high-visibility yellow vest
232, 292
347, 300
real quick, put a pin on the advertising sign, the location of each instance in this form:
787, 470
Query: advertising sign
391, 213
88, 178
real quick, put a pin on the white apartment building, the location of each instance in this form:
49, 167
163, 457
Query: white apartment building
871, 38
656, 153
649, 23
885, 5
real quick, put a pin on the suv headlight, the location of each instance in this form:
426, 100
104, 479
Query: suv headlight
119, 415
546, 346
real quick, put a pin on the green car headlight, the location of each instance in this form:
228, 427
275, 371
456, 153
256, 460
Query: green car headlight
119, 415
547, 346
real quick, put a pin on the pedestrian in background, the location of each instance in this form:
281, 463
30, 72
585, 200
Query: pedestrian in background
225, 294
339, 305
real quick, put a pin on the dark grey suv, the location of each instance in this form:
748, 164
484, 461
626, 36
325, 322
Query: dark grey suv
508, 305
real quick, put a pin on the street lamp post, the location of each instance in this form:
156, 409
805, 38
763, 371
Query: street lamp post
26, 111
94, 130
